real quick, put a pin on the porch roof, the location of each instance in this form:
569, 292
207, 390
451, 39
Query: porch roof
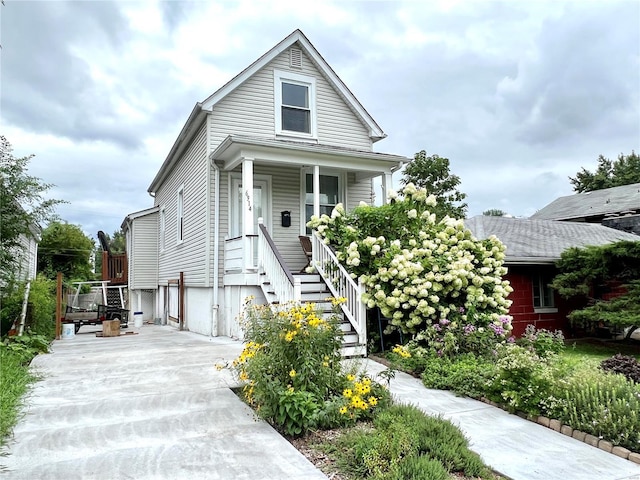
233, 149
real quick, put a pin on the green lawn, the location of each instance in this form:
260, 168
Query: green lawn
591, 352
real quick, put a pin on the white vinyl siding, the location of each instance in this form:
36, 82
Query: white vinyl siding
357, 192
249, 109
27, 258
143, 252
189, 255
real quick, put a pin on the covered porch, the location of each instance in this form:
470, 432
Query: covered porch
284, 183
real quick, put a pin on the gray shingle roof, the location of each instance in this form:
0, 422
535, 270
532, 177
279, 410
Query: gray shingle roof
531, 241
592, 204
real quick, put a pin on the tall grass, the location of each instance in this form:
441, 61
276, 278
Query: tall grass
14, 381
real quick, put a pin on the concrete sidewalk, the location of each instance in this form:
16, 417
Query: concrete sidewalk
146, 406
511, 445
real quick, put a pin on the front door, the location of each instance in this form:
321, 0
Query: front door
260, 208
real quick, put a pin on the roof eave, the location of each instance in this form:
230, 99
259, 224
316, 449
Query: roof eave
197, 115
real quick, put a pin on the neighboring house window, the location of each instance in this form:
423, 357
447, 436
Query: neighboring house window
180, 214
329, 194
542, 292
163, 223
295, 104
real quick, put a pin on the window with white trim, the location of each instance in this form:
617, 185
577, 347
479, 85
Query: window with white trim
295, 104
543, 296
163, 224
180, 215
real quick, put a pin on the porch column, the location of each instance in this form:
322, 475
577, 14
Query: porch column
387, 186
247, 212
316, 190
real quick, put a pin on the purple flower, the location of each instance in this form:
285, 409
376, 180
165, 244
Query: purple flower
511, 339
505, 319
461, 310
437, 328
497, 329
468, 329
444, 321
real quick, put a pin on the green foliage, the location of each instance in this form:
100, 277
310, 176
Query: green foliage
623, 171
523, 380
602, 404
589, 272
432, 279
406, 443
494, 212
432, 172
14, 381
541, 341
65, 248
22, 208
625, 365
465, 374
42, 297
291, 364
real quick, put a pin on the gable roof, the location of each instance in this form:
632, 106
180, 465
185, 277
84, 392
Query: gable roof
199, 112
140, 213
542, 241
375, 132
597, 203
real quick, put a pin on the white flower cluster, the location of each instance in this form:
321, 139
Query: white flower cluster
416, 280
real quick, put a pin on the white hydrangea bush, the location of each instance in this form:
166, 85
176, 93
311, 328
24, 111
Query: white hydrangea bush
432, 278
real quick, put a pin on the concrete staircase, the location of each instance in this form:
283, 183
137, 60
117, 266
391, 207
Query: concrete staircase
314, 290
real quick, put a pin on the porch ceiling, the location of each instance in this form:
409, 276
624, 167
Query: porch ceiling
233, 149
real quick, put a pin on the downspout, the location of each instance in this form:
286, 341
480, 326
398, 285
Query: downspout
216, 248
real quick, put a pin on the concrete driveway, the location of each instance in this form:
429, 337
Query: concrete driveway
144, 406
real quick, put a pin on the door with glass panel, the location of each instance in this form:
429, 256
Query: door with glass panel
329, 195
260, 208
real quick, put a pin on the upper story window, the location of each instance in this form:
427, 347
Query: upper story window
163, 226
180, 215
295, 104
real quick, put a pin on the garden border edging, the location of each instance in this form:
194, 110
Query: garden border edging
569, 431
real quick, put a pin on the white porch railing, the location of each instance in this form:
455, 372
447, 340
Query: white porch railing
285, 287
234, 254
342, 285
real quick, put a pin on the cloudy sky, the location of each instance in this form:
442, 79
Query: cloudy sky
518, 95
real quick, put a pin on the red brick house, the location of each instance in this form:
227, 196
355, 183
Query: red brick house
533, 247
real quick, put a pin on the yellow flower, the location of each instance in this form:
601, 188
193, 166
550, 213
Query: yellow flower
292, 373
243, 375
347, 392
343, 410
325, 364
290, 389
289, 335
351, 378
373, 401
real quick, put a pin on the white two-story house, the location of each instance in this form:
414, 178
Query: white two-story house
283, 140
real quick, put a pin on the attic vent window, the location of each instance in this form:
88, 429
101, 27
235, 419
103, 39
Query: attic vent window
295, 58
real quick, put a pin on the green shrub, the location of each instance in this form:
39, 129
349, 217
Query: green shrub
523, 381
42, 297
406, 443
465, 374
418, 468
542, 342
602, 404
291, 366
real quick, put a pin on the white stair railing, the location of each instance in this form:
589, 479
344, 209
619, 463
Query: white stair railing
285, 287
342, 285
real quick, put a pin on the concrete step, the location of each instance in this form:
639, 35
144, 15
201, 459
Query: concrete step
353, 350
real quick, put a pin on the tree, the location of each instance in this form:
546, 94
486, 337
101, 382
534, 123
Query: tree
624, 171
591, 274
22, 206
494, 212
65, 248
433, 174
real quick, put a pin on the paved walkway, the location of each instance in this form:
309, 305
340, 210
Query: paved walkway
511, 445
147, 406
153, 406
